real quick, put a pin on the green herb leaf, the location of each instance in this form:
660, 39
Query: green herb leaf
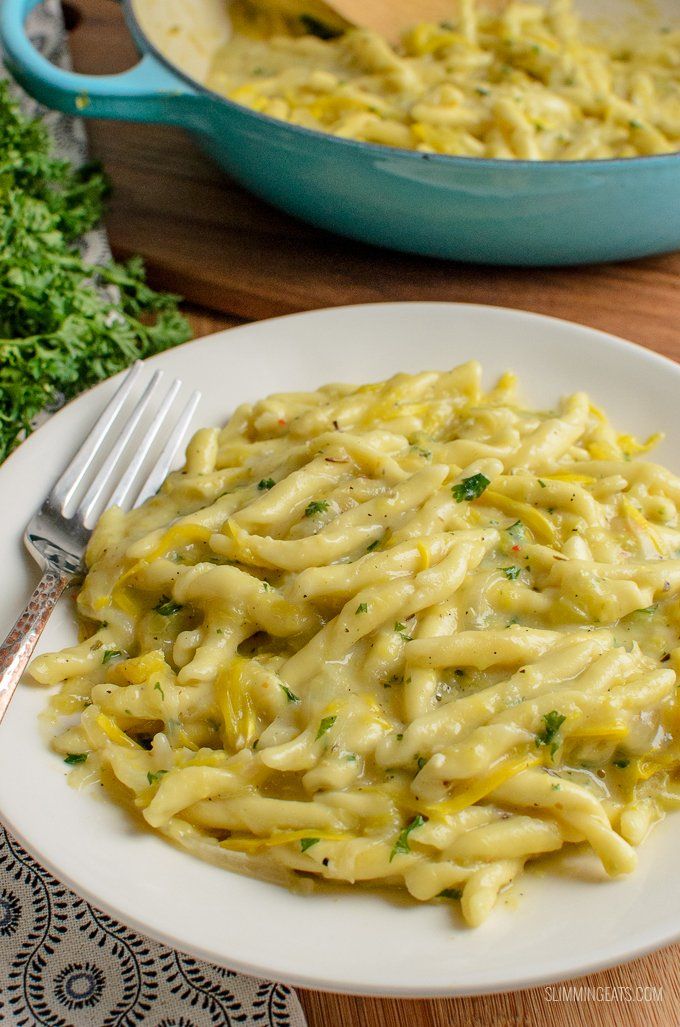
362, 608
158, 688
517, 531
622, 763
306, 843
401, 630
290, 696
470, 488
451, 893
318, 506
266, 484
373, 546
511, 573
111, 654
553, 723
153, 777
325, 725
166, 607
64, 324
648, 610
75, 757
401, 846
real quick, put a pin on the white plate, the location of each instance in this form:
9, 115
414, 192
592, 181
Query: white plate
350, 941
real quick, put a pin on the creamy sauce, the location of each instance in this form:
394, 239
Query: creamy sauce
530, 82
412, 633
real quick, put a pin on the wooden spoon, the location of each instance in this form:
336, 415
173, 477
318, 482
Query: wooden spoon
389, 18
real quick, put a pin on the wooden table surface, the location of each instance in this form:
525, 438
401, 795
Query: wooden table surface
234, 258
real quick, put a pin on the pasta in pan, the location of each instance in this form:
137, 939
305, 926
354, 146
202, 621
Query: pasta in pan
411, 633
523, 82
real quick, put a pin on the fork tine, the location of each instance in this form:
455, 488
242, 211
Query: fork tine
96, 490
65, 487
125, 484
160, 469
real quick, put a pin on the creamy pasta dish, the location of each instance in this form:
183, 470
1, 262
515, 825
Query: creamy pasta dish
410, 634
525, 81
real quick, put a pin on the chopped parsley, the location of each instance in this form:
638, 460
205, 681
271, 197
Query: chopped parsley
451, 893
542, 484
553, 723
362, 608
622, 763
401, 846
648, 610
470, 488
325, 725
306, 843
290, 696
511, 573
317, 506
75, 757
153, 777
421, 761
373, 545
517, 531
401, 630
266, 484
111, 654
166, 607
158, 688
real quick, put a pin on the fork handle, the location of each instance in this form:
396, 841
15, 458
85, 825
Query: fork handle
16, 650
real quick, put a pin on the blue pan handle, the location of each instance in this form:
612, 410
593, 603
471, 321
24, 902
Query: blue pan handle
148, 92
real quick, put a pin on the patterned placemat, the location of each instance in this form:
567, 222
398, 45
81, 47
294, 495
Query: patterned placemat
63, 963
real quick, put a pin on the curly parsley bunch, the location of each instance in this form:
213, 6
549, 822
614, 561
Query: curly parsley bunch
64, 324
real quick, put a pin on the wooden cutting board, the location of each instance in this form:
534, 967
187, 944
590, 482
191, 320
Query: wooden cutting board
237, 259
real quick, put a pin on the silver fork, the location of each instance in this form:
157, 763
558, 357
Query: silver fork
58, 533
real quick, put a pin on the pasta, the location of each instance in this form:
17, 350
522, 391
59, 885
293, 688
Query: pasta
411, 633
524, 82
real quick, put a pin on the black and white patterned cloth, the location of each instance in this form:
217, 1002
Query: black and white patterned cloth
65, 964
62, 962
